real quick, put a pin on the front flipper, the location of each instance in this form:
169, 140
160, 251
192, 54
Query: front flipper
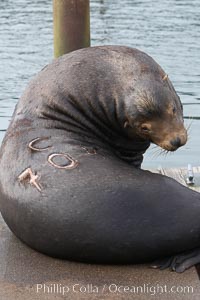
178, 263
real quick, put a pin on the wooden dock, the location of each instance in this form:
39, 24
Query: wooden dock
181, 175
23, 270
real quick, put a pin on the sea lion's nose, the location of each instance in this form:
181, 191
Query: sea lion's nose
176, 142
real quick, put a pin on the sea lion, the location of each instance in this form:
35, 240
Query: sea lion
70, 179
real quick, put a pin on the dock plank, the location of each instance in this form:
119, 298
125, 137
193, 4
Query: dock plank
180, 175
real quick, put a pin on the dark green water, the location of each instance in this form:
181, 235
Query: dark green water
168, 30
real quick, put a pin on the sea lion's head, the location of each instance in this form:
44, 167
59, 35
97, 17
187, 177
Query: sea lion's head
157, 115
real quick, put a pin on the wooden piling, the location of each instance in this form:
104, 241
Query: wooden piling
71, 25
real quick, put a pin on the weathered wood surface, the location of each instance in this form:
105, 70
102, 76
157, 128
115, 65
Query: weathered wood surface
181, 174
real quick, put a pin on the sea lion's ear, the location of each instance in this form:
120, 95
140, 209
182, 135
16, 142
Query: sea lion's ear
126, 124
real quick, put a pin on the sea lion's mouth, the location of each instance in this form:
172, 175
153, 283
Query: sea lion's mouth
171, 149
169, 140
173, 144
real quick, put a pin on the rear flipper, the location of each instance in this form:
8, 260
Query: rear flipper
178, 263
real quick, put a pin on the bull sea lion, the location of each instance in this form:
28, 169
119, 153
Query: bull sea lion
70, 179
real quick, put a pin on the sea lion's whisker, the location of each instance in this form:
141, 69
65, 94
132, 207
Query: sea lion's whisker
157, 153
164, 152
154, 147
154, 150
188, 128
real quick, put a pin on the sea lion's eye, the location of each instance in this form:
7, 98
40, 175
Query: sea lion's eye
174, 110
145, 128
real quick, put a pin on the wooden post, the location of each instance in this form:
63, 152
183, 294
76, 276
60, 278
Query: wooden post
71, 25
